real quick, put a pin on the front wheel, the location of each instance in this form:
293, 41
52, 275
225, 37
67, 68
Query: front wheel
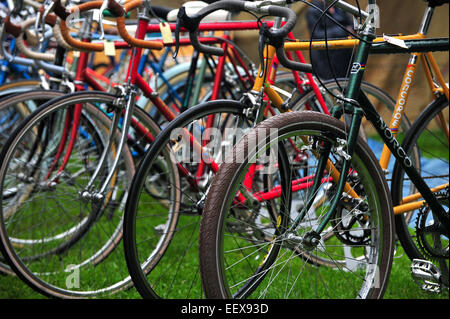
161, 222
256, 236
63, 244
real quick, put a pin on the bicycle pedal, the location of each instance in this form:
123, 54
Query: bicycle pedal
426, 275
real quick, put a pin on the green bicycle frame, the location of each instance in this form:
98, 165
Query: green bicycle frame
359, 105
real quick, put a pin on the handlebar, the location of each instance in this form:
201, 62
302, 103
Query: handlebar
120, 12
20, 42
18, 31
116, 10
192, 23
63, 13
274, 36
9, 27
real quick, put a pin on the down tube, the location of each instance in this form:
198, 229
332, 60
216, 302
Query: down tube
401, 156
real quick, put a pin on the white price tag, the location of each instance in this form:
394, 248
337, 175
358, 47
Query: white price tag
395, 41
110, 49
166, 32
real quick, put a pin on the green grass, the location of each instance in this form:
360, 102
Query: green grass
401, 285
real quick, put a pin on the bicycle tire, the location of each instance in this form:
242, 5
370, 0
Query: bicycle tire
156, 272
218, 273
18, 86
97, 253
432, 143
18, 106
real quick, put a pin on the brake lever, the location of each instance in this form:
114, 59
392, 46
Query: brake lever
261, 45
180, 18
40, 20
177, 39
37, 25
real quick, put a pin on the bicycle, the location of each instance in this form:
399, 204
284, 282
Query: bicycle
355, 211
28, 260
404, 222
198, 158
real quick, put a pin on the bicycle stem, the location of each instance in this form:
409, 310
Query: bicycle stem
350, 9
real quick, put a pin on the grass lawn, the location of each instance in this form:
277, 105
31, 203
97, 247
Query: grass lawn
401, 286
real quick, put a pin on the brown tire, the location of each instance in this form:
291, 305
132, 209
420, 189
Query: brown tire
224, 239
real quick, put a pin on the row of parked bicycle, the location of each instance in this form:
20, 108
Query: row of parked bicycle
142, 147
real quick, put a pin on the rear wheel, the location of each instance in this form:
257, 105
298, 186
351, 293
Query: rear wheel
419, 235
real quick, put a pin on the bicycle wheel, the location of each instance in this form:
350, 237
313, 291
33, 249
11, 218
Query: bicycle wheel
254, 231
11, 115
18, 86
167, 267
429, 133
57, 240
13, 110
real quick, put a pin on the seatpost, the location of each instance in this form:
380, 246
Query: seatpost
426, 20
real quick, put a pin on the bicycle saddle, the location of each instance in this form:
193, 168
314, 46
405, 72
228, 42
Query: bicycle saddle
192, 7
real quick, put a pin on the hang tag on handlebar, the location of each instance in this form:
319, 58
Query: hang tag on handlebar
166, 32
110, 49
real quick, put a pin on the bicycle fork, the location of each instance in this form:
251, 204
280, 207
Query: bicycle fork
128, 93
